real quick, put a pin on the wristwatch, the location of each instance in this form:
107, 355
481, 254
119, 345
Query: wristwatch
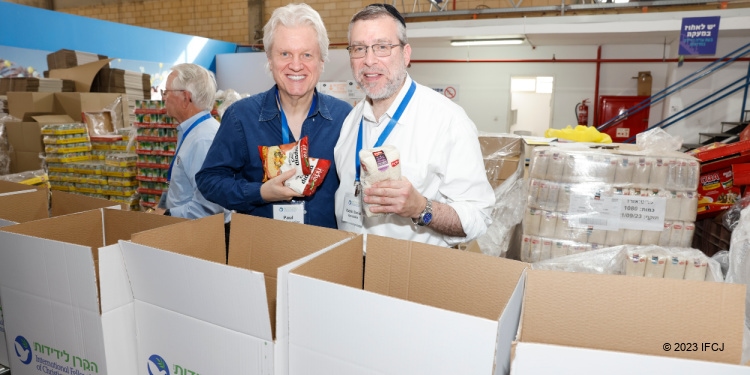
425, 218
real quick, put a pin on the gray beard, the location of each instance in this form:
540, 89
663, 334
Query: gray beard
390, 88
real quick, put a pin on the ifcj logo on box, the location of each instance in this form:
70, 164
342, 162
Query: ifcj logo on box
23, 350
157, 365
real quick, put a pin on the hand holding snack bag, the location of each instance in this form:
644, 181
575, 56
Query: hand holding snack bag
310, 172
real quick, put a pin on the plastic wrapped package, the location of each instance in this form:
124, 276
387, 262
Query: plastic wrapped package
658, 140
37, 177
739, 261
507, 213
634, 260
499, 145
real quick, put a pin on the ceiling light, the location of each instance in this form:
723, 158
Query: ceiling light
486, 42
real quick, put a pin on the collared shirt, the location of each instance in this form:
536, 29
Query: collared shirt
233, 172
439, 154
183, 198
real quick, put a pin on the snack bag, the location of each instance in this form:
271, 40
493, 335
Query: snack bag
379, 164
306, 184
279, 159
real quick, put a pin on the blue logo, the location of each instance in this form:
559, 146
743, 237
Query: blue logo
23, 350
157, 365
281, 209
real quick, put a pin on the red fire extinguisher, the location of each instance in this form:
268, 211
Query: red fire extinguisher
582, 112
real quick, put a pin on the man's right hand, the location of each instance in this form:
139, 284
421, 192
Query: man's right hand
274, 190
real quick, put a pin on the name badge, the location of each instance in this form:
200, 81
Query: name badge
352, 209
293, 212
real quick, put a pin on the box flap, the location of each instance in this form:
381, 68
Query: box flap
343, 265
632, 314
19, 103
62, 203
199, 238
82, 75
53, 119
25, 136
451, 279
9, 188
23, 207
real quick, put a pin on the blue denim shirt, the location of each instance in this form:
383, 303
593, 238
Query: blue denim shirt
232, 172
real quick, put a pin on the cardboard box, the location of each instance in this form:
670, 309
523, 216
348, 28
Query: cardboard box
500, 145
629, 314
564, 360
502, 169
22, 203
410, 308
66, 299
69, 103
26, 140
741, 173
196, 314
644, 83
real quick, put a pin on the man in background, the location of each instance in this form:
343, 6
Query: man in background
189, 98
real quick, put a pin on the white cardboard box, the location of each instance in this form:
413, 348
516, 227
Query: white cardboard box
67, 302
197, 315
410, 308
22, 203
569, 315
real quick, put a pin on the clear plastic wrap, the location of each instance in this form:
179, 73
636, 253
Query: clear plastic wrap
37, 177
658, 140
5, 147
645, 261
582, 199
732, 215
739, 262
506, 216
499, 145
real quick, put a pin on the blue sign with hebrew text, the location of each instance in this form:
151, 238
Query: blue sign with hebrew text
699, 35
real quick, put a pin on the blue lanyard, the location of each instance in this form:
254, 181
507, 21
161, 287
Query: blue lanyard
198, 121
285, 131
387, 131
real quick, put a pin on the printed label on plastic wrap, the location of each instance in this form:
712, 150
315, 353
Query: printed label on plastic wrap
619, 212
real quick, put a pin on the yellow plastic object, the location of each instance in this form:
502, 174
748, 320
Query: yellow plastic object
579, 134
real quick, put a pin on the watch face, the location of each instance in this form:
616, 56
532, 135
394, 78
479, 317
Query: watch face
427, 218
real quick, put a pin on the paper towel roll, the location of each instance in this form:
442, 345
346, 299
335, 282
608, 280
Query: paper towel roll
556, 166
548, 224
672, 210
688, 205
552, 196
546, 249
534, 187
650, 237
635, 264
614, 237
624, 173
666, 234
526, 248
659, 172
378, 164
536, 249
642, 172
610, 169
655, 265
563, 198
688, 230
696, 268
676, 266
675, 238
597, 236
558, 249
531, 221
538, 164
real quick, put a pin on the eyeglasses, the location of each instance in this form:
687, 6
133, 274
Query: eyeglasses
165, 92
380, 50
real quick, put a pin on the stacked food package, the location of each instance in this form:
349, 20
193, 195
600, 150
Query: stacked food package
156, 144
582, 199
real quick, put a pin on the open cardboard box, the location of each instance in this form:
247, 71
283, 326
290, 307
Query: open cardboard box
26, 139
197, 314
411, 308
598, 316
72, 104
66, 297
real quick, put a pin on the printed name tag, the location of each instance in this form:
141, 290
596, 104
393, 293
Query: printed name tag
352, 210
293, 212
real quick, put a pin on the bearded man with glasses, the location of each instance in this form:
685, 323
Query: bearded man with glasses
443, 197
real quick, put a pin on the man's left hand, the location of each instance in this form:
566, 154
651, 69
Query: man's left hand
395, 196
